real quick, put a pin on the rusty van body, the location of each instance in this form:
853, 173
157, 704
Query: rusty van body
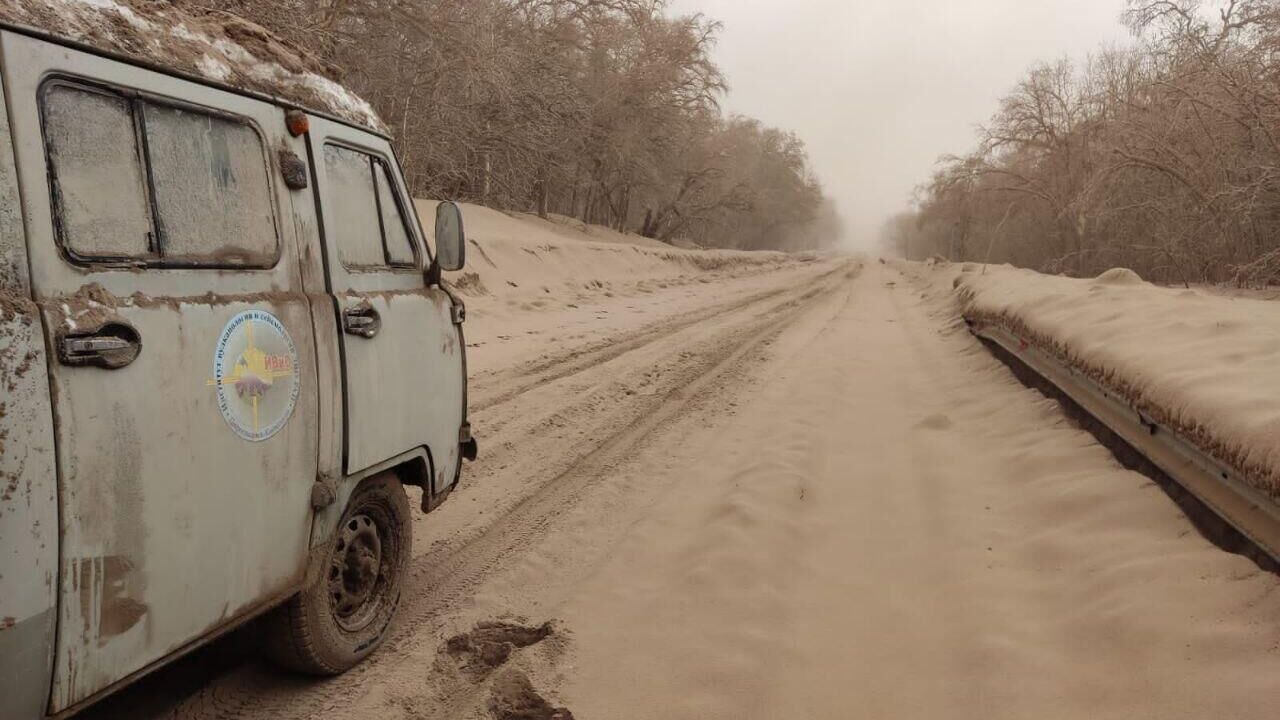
224, 350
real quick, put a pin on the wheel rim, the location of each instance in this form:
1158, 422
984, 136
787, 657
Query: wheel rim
357, 576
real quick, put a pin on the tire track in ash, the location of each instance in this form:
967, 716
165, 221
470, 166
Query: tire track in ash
616, 384
450, 696
574, 360
445, 574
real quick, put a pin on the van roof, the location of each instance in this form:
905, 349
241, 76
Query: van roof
211, 46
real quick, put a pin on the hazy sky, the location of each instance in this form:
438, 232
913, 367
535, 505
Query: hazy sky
878, 90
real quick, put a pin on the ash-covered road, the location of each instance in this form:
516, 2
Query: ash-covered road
804, 492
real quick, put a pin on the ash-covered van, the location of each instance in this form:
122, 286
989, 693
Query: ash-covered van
224, 350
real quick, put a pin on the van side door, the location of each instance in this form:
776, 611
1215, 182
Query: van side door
403, 374
184, 380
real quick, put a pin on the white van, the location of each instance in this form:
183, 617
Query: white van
224, 351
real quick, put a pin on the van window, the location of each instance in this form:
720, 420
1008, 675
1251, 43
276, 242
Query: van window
353, 207
213, 199
399, 246
195, 193
97, 177
367, 222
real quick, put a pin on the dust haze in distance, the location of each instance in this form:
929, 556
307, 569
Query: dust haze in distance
879, 90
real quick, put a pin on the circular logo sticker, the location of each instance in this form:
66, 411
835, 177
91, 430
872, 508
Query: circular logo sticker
255, 373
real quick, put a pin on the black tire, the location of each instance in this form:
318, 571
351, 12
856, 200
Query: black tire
346, 611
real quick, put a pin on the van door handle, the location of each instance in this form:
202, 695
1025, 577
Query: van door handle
361, 320
112, 346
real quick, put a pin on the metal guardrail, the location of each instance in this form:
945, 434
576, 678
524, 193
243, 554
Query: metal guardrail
1214, 483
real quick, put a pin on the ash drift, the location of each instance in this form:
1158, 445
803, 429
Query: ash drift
1206, 366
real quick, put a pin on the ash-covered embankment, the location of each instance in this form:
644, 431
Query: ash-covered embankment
1204, 365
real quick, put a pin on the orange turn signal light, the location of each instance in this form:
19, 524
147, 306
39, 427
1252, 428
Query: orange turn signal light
297, 122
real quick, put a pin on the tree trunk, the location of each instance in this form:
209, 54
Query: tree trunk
626, 209
587, 204
486, 178
647, 228
540, 198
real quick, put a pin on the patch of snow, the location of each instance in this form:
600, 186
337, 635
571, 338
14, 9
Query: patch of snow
182, 31
235, 52
127, 13
341, 97
346, 103
198, 41
214, 69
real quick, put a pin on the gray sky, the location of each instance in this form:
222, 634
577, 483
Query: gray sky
879, 90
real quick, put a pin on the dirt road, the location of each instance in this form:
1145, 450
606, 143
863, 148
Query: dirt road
804, 492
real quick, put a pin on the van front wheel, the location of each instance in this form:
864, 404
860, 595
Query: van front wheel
346, 611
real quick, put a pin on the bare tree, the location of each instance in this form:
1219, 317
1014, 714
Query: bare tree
603, 110
1164, 157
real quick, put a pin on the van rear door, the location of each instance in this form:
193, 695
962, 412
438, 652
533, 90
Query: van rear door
28, 477
403, 375
185, 381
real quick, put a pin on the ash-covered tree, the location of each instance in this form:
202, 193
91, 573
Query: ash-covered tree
602, 110
1164, 157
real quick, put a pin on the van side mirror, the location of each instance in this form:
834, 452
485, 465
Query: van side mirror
451, 241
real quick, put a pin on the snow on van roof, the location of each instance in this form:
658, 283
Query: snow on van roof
211, 44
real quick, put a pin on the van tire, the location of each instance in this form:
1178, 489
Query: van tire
345, 612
